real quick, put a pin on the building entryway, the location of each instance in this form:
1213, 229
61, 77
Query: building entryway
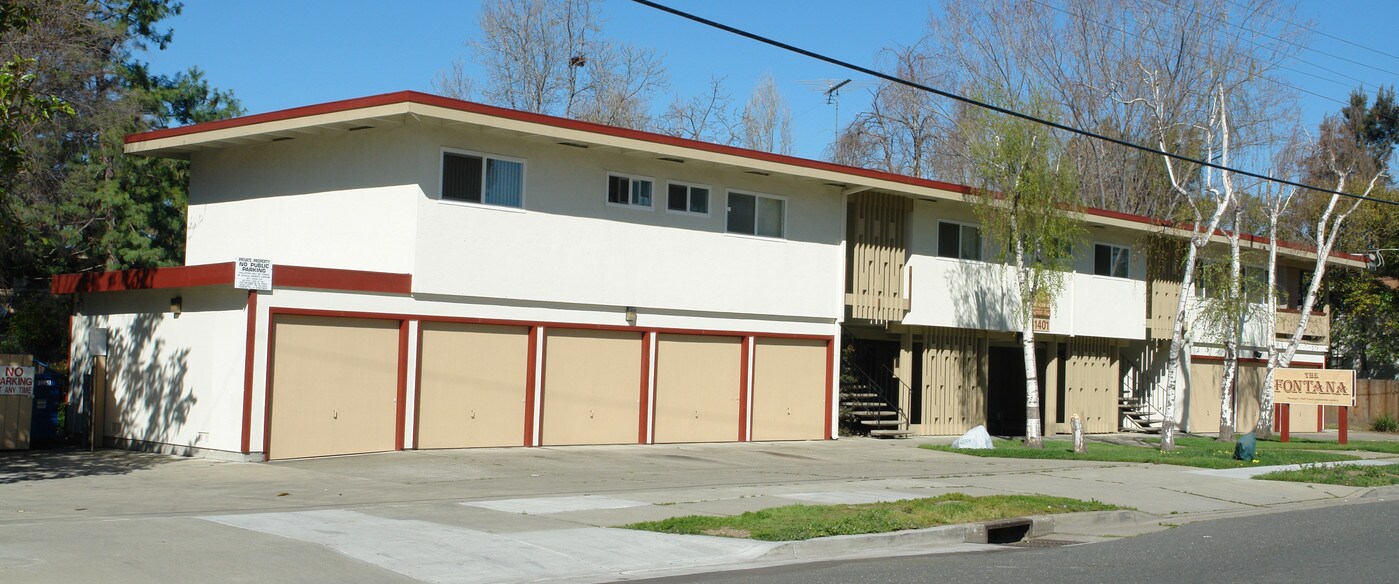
1005, 380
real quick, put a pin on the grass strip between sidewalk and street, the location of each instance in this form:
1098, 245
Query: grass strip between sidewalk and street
799, 522
1349, 475
1190, 451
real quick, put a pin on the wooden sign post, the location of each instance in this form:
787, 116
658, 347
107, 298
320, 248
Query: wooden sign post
1317, 387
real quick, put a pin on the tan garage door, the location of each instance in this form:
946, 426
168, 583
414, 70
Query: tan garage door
697, 385
471, 389
334, 382
789, 389
592, 383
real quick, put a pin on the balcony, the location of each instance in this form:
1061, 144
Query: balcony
1318, 329
979, 295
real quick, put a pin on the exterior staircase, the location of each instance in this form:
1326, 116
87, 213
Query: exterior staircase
1137, 416
873, 411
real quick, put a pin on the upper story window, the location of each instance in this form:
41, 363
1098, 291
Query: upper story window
687, 198
761, 215
479, 178
628, 190
958, 240
1111, 260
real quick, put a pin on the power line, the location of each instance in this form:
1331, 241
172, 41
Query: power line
1330, 36
1217, 63
994, 108
1220, 20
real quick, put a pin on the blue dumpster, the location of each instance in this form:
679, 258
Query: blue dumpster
48, 397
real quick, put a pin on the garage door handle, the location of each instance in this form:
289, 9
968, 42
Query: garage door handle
334, 415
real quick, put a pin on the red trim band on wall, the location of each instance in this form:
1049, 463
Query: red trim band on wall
222, 275
144, 279
336, 279
249, 347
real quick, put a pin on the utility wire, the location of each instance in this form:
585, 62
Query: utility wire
1221, 20
1330, 36
1269, 79
994, 108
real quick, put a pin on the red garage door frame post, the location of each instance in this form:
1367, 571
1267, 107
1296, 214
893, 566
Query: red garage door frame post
830, 385
249, 347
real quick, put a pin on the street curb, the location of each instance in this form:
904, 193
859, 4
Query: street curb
1086, 523
1377, 492
946, 535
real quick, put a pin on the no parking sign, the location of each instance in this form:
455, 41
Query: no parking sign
17, 381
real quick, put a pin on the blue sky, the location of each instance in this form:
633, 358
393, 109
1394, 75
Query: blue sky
277, 54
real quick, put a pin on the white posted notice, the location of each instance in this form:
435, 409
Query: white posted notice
253, 274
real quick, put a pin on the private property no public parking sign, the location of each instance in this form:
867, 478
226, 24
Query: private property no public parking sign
253, 274
17, 381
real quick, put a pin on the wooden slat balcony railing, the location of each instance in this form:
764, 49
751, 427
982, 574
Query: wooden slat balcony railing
1318, 329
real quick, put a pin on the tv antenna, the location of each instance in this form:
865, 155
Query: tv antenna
830, 88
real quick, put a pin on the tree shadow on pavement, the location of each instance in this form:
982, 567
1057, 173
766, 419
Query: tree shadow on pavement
42, 465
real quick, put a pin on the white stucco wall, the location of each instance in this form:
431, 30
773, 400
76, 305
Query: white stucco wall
175, 380
368, 200
981, 294
338, 201
569, 245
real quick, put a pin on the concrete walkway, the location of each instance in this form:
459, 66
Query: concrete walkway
537, 514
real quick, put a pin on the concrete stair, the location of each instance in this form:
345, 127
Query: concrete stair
1137, 415
872, 411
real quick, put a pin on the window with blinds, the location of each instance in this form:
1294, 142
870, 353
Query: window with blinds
476, 178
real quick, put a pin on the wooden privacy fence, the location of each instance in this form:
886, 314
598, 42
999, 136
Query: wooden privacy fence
1373, 398
15, 410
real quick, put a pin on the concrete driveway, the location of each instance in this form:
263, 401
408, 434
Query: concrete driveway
512, 515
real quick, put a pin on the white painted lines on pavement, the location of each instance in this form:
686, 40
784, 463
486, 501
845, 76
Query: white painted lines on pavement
444, 554
550, 505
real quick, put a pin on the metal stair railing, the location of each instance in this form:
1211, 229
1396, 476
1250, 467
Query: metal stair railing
1142, 401
890, 401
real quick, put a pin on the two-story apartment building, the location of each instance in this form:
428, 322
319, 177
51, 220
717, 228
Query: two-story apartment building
446, 274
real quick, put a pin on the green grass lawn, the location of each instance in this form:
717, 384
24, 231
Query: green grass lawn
1189, 451
1308, 444
1348, 475
797, 522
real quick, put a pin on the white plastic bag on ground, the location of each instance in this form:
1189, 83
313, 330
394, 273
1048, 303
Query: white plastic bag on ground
975, 438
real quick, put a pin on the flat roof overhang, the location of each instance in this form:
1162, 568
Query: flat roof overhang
398, 108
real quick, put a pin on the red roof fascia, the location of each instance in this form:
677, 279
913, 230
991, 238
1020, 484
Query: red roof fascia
558, 122
144, 279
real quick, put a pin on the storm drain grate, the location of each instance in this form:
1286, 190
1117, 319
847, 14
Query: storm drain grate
1042, 543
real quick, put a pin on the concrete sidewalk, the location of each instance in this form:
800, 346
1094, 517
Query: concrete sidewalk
537, 514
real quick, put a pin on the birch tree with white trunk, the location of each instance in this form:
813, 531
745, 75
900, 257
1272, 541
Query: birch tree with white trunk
1206, 202
1027, 200
1336, 156
1276, 199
